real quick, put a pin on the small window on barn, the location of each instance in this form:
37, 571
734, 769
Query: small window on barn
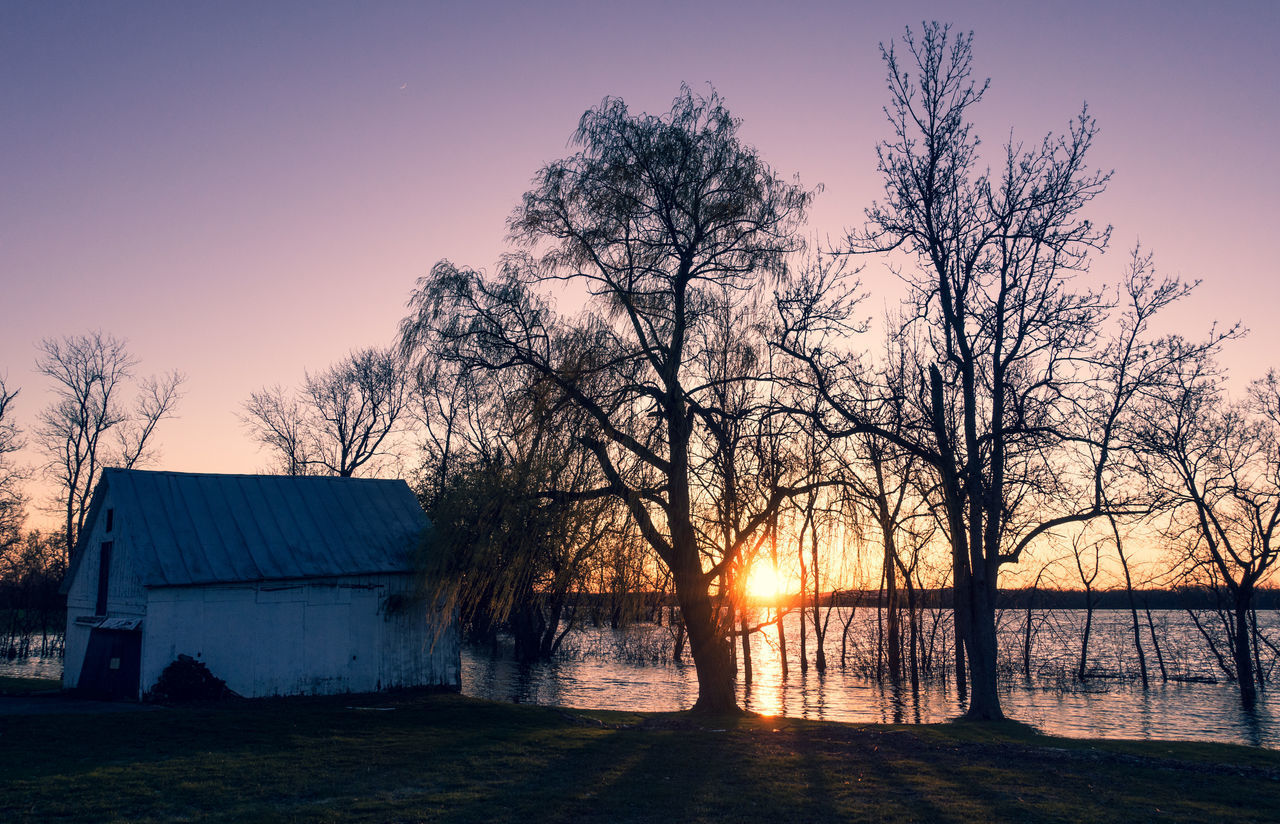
104, 570
111, 517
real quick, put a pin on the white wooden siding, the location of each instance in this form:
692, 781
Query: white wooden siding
301, 637
126, 597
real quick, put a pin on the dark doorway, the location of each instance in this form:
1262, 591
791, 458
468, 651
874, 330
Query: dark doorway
112, 664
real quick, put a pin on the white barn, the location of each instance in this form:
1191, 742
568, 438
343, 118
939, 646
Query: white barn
279, 585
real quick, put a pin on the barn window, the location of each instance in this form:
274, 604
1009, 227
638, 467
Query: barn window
104, 569
111, 517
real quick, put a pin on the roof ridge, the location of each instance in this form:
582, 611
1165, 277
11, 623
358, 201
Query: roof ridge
246, 475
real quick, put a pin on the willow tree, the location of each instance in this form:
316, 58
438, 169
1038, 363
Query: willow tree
659, 220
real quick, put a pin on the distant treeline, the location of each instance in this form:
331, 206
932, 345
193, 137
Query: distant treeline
1067, 598
641, 605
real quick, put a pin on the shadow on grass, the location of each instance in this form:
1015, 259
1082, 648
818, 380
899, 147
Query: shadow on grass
449, 758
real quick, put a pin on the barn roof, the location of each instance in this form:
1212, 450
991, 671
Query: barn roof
184, 528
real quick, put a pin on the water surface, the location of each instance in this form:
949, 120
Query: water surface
600, 671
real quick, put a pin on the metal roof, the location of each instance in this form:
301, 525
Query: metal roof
183, 528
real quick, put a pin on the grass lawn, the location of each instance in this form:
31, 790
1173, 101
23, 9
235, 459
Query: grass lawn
433, 757
26, 686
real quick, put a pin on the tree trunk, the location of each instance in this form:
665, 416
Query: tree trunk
1133, 610
782, 642
682, 635
880, 626
1026, 636
1082, 672
804, 639
960, 632
711, 651
1241, 648
746, 645
819, 628
913, 623
1155, 642
984, 695
892, 615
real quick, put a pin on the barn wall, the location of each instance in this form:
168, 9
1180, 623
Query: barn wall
126, 597
355, 634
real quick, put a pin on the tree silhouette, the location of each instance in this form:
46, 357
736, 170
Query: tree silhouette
663, 221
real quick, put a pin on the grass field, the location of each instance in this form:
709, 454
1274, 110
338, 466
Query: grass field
27, 686
443, 757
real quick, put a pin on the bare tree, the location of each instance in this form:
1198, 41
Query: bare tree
279, 422
89, 426
1088, 571
1007, 386
659, 219
339, 421
1219, 464
12, 501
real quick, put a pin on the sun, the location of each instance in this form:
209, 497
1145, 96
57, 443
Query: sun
764, 582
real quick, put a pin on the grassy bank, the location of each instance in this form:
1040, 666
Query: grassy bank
449, 758
27, 686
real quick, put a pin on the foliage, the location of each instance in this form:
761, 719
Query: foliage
186, 679
670, 224
31, 572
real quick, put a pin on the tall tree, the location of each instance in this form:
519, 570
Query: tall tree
339, 421
659, 220
1017, 418
88, 426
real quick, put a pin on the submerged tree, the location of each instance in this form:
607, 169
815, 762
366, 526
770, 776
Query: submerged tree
506, 553
1219, 465
88, 427
1018, 405
660, 220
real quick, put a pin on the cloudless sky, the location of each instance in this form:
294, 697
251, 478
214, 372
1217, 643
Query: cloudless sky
247, 191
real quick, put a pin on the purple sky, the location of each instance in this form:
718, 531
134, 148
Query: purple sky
245, 193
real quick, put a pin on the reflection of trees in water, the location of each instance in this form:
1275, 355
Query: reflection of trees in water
1053, 652
631, 669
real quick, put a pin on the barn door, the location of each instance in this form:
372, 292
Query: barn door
112, 664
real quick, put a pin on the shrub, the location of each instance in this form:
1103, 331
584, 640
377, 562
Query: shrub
187, 679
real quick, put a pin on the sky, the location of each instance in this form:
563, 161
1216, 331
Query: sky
248, 191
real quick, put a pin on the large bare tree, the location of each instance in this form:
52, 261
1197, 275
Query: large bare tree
89, 425
660, 220
1020, 390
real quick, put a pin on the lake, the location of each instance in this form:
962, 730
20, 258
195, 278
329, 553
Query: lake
607, 669
624, 670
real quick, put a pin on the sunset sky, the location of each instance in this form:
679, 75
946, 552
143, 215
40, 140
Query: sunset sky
248, 191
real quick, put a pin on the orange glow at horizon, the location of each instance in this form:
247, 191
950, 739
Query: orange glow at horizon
765, 582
